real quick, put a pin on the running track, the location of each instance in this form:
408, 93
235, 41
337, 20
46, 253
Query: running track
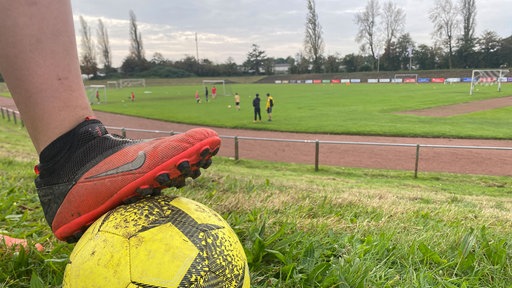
464, 161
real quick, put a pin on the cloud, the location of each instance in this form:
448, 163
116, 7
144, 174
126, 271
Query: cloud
228, 28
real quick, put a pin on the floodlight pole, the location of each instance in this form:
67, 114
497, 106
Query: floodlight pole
378, 62
197, 50
410, 58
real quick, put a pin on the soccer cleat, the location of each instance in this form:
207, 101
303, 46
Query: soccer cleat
87, 172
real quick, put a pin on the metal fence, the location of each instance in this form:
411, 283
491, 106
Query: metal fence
318, 144
13, 116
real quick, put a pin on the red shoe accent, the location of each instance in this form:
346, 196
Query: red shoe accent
17, 243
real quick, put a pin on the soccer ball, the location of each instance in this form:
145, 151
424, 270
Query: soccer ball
229, 106
162, 241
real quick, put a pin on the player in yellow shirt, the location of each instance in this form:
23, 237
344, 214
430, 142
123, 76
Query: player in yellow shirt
270, 105
237, 101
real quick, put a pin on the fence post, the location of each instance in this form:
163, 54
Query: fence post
317, 156
8, 116
236, 148
14, 117
3, 115
417, 161
123, 132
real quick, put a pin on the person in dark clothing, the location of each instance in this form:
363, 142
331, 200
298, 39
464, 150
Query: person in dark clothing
257, 109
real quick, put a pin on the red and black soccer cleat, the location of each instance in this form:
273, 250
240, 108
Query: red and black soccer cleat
87, 172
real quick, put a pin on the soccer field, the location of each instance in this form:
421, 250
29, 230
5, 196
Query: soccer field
363, 109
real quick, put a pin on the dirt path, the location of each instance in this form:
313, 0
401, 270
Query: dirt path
469, 161
463, 108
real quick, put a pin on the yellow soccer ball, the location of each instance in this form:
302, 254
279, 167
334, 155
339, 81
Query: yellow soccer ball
163, 241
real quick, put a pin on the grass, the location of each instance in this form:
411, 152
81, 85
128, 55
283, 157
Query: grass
334, 228
362, 109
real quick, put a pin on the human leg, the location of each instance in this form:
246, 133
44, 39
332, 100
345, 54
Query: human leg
84, 171
38, 60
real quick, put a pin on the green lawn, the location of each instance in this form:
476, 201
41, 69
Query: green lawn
363, 109
337, 227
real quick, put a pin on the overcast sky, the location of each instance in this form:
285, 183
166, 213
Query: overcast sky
228, 28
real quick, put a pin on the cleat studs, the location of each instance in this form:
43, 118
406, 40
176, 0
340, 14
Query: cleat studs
205, 152
195, 174
156, 192
144, 191
131, 200
206, 164
163, 179
184, 168
215, 151
75, 237
180, 182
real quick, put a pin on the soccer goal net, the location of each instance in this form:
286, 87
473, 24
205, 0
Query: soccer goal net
487, 78
96, 93
405, 78
132, 83
222, 87
113, 84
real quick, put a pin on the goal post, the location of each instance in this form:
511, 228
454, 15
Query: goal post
132, 82
408, 78
93, 90
487, 77
112, 83
225, 88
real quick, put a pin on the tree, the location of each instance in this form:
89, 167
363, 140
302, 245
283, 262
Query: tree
299, 65
229, 68
313, 41
393, 21
136, 47
445, 18
332, 64
268, 65
468, 39
158, 59
506, 52
425, 57
404, 50
353, 62
489, 45
104, 46
367, 31
255, 59
88, 57
136, 61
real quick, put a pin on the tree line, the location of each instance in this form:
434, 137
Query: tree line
385, 45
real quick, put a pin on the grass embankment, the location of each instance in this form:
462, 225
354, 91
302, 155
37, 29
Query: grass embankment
333, 228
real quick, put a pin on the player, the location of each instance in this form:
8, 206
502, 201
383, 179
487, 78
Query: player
237, 102
206, 93
198, 99
269, 106
257, 109
83, 171
132, 96
214, 92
